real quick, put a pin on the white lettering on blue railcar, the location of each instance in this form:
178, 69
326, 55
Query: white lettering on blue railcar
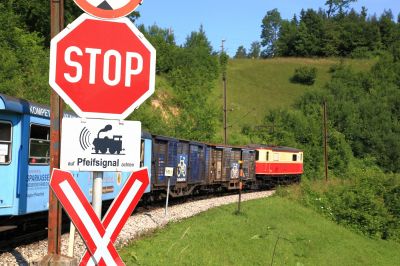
37, 110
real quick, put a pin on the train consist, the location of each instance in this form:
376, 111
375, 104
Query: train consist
198, 167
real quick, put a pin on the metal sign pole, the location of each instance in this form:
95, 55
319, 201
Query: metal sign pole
71, 240
97, 193
166, 201
240, 184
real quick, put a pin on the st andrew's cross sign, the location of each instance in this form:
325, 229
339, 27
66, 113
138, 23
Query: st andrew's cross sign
99, 236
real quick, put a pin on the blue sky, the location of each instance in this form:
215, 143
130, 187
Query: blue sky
238, 22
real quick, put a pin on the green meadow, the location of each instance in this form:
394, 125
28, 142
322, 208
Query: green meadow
271, 231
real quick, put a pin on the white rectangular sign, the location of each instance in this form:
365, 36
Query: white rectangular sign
3, 149
169, 171
100, 145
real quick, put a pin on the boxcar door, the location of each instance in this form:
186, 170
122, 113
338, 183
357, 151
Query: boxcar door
194, 163
216, 155
160, 162
10, 133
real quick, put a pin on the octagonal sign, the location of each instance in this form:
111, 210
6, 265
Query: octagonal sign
102, 68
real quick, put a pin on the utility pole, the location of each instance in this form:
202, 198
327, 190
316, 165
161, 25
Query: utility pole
325, 141
54, 256
224, 84
56, 114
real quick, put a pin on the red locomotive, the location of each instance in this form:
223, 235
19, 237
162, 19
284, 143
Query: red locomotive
278, 165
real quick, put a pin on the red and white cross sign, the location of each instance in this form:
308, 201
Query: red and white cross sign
99, 236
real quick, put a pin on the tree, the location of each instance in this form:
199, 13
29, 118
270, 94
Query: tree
198, 39
388, 29
23, 59
287, 36
337, 6
164, 42
36, 15
241, 52
192, 78
271, 25
255, 50
314, 31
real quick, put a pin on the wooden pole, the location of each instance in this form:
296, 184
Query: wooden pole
56, 114
325, 141
224, 84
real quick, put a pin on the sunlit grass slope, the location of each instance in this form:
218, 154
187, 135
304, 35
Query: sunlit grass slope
269, 230
256, 86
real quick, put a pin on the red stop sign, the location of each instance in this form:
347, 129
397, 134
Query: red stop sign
102, 68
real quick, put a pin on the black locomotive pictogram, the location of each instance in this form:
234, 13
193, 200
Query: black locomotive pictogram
101, 145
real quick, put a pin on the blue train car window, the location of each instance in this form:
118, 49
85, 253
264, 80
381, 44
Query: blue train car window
39, 145
5, 142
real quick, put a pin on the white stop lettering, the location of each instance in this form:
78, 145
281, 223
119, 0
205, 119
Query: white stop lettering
107, 57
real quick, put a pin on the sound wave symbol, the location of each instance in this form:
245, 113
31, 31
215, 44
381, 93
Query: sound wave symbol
84, 139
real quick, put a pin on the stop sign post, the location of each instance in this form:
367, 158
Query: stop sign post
102, 68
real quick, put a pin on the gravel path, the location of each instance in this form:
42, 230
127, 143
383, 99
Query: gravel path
137, 225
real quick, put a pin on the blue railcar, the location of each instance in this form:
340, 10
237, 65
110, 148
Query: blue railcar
188, 160
25, 158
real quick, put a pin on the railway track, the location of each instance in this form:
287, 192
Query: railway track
14, 236
144, 220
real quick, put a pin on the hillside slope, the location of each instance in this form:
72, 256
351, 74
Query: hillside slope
257, 86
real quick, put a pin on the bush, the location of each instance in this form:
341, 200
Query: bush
304, 75
368, 203
361, 53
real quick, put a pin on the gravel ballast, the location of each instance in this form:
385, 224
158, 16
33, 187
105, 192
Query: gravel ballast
137, 225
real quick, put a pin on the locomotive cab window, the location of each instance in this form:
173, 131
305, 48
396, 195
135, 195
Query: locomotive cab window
39, 145
294, 159
5, 142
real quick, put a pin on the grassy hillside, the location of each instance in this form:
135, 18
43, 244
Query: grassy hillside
273, 229
256, 86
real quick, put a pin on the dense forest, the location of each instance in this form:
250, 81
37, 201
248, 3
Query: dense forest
336, 30
364, 107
